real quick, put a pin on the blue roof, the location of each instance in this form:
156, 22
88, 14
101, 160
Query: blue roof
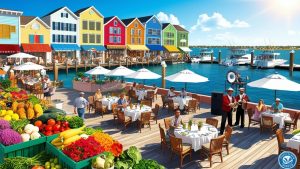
93, 47
59, 47
155, 47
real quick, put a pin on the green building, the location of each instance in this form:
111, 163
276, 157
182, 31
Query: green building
182, 39
169, 38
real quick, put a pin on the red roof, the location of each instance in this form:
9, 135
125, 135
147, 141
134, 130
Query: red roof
9, 48
36, 47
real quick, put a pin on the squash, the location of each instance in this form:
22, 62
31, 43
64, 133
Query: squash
51, 113
22, 113
15, 106
38, 110
21, 105
30, 113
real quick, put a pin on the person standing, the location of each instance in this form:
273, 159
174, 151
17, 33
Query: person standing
242, 99
228, 102
80, 105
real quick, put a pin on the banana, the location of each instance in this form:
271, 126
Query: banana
71, 140
70, 133
56, 140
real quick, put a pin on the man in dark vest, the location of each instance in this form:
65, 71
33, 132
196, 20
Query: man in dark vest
228, 102
242, 100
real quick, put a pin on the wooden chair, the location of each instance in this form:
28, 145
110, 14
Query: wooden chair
267, 123
192, 106
122, 119
147, 103
167, 122
212, 121
145, 120
251, 120
164, 100
171, 106
150, 95
91, 103
182, 150
154, 114
114, 109
214, 148
282, 146
226, 142
99, 108
164, 141
292, 122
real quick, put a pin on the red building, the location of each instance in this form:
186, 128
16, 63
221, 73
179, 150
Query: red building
114, 39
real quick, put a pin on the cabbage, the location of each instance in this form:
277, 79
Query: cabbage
4, 124
134, 153
9, 137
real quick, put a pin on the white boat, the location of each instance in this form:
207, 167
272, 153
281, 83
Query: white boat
205, 55
268, 59
195, 59
237, 57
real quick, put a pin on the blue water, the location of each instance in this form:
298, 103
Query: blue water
216, 75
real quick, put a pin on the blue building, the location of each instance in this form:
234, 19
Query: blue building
153, 35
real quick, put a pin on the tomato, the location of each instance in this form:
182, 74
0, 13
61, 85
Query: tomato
37, 167
62, 129
58, 122
48, 133
56, 131
56, 127
48, 128
51, 122
65, 124
38, 123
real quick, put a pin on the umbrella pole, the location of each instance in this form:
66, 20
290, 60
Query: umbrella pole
185, 86
144, 81
275, 95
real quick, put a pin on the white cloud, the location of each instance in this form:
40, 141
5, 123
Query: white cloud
165, 18
216, 20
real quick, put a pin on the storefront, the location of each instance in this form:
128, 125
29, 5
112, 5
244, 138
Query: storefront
65, 52
171, 52
92, 53
115, 53
136, 52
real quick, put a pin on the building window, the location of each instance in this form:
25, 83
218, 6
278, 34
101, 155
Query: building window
153, 41
115, 31
150, 31
132, 31
136, 24
154, 20
132, 40
53, 38
98, 38
84, 25
139, 40
115, 23
119, 39
111, 30
115, 39
66, 26
92, 38
139, 32
85, 38
62, 38
6, 30
119, 31
110, 39
98, 26
64, 15
62, 26
91, 25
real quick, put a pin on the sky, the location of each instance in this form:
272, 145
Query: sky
210, 22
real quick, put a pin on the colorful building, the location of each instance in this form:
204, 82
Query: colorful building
169, 34
182, 39
35, 38
63, 34
114, 38
135, 37
152, 34
9, 31
91, 33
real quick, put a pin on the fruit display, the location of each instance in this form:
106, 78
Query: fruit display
52, 113
52, 163
103, 161
52, 126
67, 137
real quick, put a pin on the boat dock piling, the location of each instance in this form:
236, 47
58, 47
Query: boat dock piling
252, 58
291, 67
220, 57
212, 58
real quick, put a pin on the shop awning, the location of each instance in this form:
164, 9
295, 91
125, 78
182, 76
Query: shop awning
155, 47
9, 48
65, 47
137, 47
171, 49
185, 49
115, 47
93, 47
36, 47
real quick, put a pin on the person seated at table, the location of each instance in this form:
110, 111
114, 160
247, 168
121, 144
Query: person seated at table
183, 93
122, 102
176, 120
277, 107
98, 95
261, 107
133, 87
171, 92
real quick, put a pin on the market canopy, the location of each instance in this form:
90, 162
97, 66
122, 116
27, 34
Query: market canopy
155, 47
171, 49
36, 47
29, 66
275, 82
6, 48
21, 56
137, 47
143, 74
185, 49
115, 47
65, 47
99, 70
120, 71
93, 47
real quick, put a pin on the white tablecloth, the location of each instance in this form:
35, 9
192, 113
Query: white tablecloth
141, 94
197, 138
294, 142
182, 101
109, 101
135, 112
278, 118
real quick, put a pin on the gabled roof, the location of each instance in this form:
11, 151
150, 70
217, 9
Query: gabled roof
179, 28
128, 21
2, 10
78, 12
108, 19
145, 18
25, 20
52, 12
164, 25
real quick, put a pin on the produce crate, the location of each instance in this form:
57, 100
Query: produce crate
50, 138
25, 149
66, 161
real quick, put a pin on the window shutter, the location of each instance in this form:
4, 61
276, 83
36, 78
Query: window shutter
31, 38
36, 39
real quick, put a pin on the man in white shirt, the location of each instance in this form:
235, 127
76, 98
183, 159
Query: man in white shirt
183, 93
171, 92
80, 105
176, 120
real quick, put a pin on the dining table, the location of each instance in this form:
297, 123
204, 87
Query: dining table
135, 111
278, 118
195, 137
182, 101
294, 142
108, 101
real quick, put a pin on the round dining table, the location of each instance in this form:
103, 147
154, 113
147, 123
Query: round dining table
294, 142
136, 111
195, 137
108, 101
278, 118
182, 101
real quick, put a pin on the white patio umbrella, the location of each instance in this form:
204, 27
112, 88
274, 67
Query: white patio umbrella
99, 70
120, 71
186, 76
275, 82
143, 74
29, 66
21, 56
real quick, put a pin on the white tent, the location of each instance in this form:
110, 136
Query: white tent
120, 71
275, 82
21, 56
186, 76
29, 66
99, 70
143, 74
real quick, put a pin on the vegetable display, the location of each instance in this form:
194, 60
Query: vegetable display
9, 137
103, 161
67, 137
148, 164
75, 121
52, 127
51, 113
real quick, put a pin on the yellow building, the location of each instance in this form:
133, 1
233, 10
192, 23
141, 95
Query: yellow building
91, 32
35, 38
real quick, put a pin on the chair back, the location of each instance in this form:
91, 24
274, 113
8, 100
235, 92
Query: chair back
91, 99
280, 137
250, 113
155, 110
145, 117
296, 117
212, 121
176, 144
167, 122
114, 108
267, 121
171, 105
162, 134
150, 94
147, 102
192, 104
216, 144
121, 116
98, 104
228, 132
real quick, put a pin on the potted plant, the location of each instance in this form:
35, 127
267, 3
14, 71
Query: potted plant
190, 123
200, 124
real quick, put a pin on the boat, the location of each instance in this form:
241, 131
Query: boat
237, 57
195, 59
205, 55
268, 59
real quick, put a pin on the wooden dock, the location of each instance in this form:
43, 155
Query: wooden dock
287, 67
